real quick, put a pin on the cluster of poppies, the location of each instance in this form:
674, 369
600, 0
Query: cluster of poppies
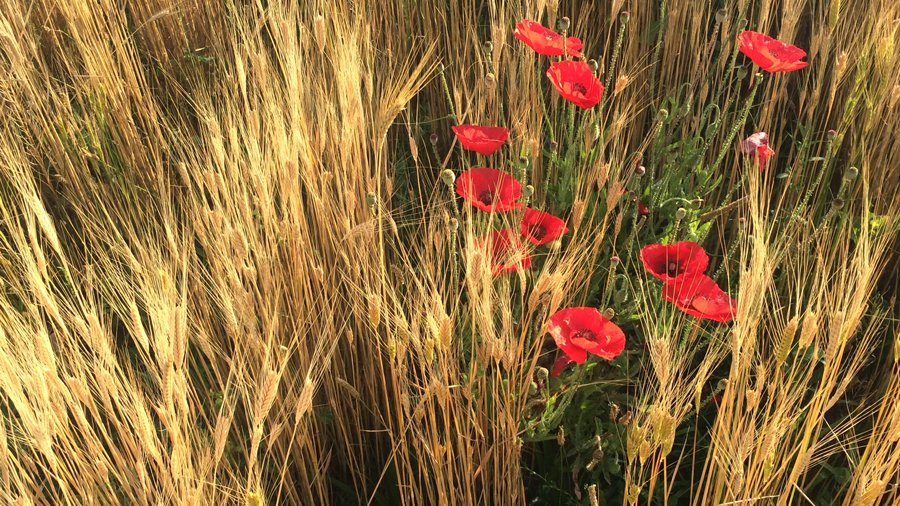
579, 331
770, 55
573, 79
681, 267
492, 190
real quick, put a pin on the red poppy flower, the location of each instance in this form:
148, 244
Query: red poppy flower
560, 364
698, 295
545, 41
576, 82
582, 330
481, 139
669, 261
489, 189
540, 227
770, 54
757, 144
506, 251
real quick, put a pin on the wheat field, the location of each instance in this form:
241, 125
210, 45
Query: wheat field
231, 272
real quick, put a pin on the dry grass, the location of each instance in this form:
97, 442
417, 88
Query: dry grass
215, 289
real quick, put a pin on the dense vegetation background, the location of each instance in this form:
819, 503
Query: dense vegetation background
232, 273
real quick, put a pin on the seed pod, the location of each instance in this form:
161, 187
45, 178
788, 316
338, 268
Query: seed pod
564, 23
624, 16
448, 177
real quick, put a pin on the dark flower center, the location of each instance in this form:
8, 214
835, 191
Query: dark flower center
672, 269
584, 334
537, 231
486, 197
580, 88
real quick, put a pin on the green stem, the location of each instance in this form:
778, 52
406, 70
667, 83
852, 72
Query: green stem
745, 112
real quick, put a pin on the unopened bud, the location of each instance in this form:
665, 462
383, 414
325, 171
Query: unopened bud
371, 199
614, 261
662, 115
624, 16
680, 213
454, 225
490, 81
837, 204
554, 145
564, 23
592, 63
742, 23
433, 138
640, 170
742, 72
852, 173
609, 313
523, 160
488, 47
448, 177
720, 15
528, 190
831, 134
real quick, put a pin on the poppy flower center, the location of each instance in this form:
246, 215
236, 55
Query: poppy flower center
580, 88
537, 231
584, 334
672, 269
486, 197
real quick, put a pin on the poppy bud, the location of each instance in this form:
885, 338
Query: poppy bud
837, 204
609, 313
742, 72
662, 115
523, 160
720, 15
624, 16
614, 261
488, 47
621, 296
490, 81
554, 145
592, 63
528, 191
564, 23
852, 173
831, 134
448, 177
640, 170
454, 225
680, 213
742, 23
561, 436
371, 199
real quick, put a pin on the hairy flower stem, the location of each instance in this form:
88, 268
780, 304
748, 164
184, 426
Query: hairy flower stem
447, 94
610, 74
454, 243
829, 153
745, 112
732, 249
